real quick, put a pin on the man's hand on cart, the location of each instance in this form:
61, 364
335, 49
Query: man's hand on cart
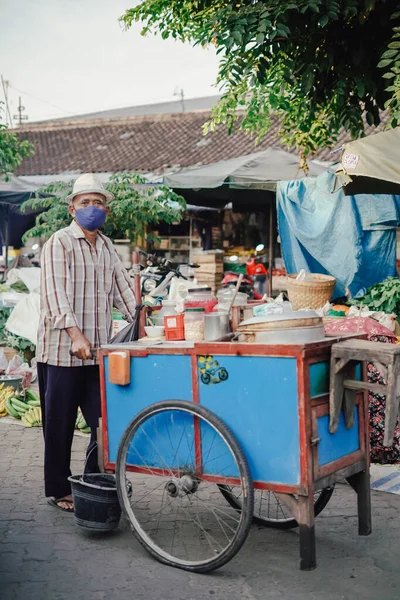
81, 347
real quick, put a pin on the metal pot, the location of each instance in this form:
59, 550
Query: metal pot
216, 326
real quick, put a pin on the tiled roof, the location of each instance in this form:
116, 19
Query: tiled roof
145, 144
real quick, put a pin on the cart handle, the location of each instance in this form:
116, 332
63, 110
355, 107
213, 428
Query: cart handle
93, 352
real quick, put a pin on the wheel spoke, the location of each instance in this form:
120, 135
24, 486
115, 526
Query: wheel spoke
179, 516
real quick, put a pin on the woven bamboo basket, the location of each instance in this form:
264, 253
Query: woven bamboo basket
313, 292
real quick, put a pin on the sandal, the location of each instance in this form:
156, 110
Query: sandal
56, 503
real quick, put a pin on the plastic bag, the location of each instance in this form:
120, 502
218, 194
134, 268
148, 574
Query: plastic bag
24, 319
130, 333
19, 368
30, 276
3, 361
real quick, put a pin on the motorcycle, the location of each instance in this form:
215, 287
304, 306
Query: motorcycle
156, 277
254, 280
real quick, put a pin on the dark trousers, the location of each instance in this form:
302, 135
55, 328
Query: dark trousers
62, 391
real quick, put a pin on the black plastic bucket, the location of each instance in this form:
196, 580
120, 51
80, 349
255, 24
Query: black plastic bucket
95, 501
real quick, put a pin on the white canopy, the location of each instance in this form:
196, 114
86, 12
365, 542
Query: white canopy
257, 171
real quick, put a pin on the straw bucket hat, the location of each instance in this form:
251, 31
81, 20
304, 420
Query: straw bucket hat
89, 184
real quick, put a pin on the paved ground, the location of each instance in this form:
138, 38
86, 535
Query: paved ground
43, 556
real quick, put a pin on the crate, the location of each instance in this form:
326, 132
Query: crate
174, 327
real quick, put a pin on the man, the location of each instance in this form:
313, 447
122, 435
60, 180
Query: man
82, 279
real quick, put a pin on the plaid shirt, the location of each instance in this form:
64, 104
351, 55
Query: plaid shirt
80, 284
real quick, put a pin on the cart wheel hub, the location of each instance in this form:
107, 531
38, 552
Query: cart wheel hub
187, 484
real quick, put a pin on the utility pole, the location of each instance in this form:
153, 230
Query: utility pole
5, 91
179, 92
20, 116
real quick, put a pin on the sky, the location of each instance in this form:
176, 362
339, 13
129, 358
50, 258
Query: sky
66, 57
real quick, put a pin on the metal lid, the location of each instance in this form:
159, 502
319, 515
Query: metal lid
201, 289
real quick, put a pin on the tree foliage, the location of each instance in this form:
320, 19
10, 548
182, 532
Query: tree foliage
316, 65
12, 149
136, 205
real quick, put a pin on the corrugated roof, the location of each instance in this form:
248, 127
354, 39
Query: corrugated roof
159, 108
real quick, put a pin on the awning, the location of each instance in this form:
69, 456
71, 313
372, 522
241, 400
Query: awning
258, 171
371, 165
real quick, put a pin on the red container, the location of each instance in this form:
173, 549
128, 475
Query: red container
174, 327
201, 298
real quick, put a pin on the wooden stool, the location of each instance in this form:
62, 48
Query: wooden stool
343, 384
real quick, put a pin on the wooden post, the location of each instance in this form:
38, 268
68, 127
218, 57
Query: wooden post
271, 247
360, 482
138, 290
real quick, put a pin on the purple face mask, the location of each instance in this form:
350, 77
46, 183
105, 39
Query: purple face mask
91, 217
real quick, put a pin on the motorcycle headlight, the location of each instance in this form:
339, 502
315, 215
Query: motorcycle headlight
149, 285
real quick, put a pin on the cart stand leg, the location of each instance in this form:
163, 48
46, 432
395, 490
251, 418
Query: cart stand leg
306, 521
360, 482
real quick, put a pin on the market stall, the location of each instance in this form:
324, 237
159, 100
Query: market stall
13, 223
248, 184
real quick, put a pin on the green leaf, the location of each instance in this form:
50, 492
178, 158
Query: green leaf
323, 21
389, 53
384, 63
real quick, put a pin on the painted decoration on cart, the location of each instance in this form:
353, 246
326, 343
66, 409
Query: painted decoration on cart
211, 371
259, 403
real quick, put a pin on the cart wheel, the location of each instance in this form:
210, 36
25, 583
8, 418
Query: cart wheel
205, 378
173, 453
269, 510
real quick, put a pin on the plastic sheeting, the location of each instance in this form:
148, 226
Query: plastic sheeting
352, 238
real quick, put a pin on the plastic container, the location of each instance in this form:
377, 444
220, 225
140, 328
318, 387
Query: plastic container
174, 328
167, 310
225, 298
201, 298
95, 501
194, 324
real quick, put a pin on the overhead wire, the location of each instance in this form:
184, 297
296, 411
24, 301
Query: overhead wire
40, 100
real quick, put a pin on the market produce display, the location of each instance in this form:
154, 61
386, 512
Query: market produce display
25, 406
81, 424
384, 296
32, 417
5, 392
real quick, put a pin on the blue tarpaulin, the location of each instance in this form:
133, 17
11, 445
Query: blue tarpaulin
352, 238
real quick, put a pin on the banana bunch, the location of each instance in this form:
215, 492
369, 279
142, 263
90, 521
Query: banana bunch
16, 406
81, 423
31, 398
32, 417
5, 392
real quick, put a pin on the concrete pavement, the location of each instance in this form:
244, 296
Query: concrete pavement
43, 556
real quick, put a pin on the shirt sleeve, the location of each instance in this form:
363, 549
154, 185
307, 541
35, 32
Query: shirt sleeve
55, 278
124, 297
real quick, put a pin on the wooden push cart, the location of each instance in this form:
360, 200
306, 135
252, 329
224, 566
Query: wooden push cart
206, 439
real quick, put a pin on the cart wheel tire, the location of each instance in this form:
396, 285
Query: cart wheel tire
246, 510
289, 523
